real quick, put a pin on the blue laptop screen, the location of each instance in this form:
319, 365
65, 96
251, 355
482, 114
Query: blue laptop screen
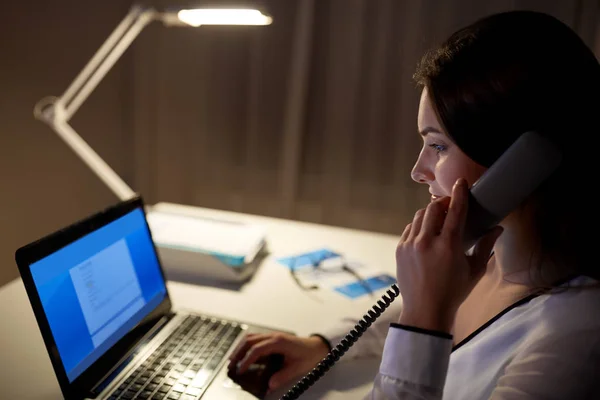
97, 288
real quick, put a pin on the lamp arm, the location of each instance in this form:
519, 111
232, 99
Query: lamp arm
110, 52
57, 111
93, 160
100, 55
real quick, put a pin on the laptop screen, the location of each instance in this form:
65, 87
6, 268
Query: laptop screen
97, 288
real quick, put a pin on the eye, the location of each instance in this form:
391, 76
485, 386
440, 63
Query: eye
439, 148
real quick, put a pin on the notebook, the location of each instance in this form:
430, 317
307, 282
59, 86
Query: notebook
98, 292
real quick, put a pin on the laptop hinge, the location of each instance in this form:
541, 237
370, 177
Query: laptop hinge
121, 365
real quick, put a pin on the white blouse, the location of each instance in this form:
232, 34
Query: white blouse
543, 347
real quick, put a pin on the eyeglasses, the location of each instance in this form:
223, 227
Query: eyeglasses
318, 265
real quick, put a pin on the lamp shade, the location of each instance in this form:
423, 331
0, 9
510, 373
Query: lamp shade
223, 16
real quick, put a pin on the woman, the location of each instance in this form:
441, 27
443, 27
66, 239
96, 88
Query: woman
520, 318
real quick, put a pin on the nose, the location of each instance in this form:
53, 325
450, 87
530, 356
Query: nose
420, 172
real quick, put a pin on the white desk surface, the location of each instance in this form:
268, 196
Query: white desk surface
270, 298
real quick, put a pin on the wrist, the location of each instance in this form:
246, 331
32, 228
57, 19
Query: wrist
321, 343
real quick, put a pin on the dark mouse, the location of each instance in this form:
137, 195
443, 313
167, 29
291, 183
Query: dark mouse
255, 379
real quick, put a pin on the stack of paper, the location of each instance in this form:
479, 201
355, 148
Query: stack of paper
195, 244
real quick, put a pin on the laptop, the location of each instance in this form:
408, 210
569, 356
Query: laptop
98, 292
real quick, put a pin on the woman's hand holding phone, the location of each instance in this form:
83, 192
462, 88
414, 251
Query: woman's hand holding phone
434, 274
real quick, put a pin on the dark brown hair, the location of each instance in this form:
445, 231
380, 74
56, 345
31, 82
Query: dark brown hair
516, 71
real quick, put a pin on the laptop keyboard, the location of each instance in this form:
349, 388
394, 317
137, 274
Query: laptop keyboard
183, 365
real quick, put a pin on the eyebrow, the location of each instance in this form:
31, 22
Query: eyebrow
428, 129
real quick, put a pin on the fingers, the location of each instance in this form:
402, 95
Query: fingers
257, 351
457, 212
435, 214
416, 224
242, 348
427, 221
406, 232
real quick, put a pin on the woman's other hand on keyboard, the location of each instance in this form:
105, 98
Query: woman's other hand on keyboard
301, 354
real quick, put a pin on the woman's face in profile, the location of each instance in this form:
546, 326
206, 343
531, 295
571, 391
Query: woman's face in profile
440, 161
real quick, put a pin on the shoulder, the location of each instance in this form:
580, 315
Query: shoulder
560, 355
571, 307
565, 321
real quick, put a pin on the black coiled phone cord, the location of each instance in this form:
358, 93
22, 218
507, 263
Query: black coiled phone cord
345, 344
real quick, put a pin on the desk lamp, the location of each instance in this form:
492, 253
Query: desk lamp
184, 250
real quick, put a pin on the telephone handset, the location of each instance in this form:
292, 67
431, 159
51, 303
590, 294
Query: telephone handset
529, 161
